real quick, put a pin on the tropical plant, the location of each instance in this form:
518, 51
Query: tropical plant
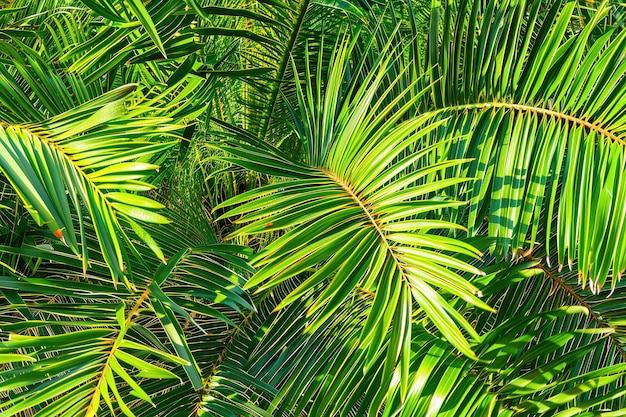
312, 208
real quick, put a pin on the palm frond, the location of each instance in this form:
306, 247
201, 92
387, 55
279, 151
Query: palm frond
112, 348
52, 148
536, 102
349, 143
65, 156
354, 218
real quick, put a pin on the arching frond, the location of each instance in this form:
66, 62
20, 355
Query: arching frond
426, 186
351, 210
108, 348
536, 99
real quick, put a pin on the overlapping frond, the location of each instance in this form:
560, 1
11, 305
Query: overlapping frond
356, 218
112, 348
534, 359
70, 143
61, 165
371, 297
287, 372
536, 99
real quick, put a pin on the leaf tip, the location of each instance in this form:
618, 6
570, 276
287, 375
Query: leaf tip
59, 234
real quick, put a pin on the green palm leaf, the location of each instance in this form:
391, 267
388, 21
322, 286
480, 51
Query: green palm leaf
538, 103
64, 157
358, 138
93, 348
351, 210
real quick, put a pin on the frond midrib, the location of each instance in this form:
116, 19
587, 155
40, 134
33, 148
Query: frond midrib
371, 217
245, 323
283, 66
127, 322
521, 108
571, 292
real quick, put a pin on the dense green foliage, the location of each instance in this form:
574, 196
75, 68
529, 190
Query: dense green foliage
312, 208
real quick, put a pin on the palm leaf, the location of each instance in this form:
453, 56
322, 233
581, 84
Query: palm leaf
134, 353
352, 179
537, 103
44, 163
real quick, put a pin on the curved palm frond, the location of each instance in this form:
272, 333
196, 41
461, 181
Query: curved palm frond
371, 298
99, 347
65, 157
533, 359
351, 209
53, 152
537, 100
284, 369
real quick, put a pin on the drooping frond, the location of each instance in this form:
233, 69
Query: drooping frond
54, 122
534, 359
355, 140
535, 98
65, 156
